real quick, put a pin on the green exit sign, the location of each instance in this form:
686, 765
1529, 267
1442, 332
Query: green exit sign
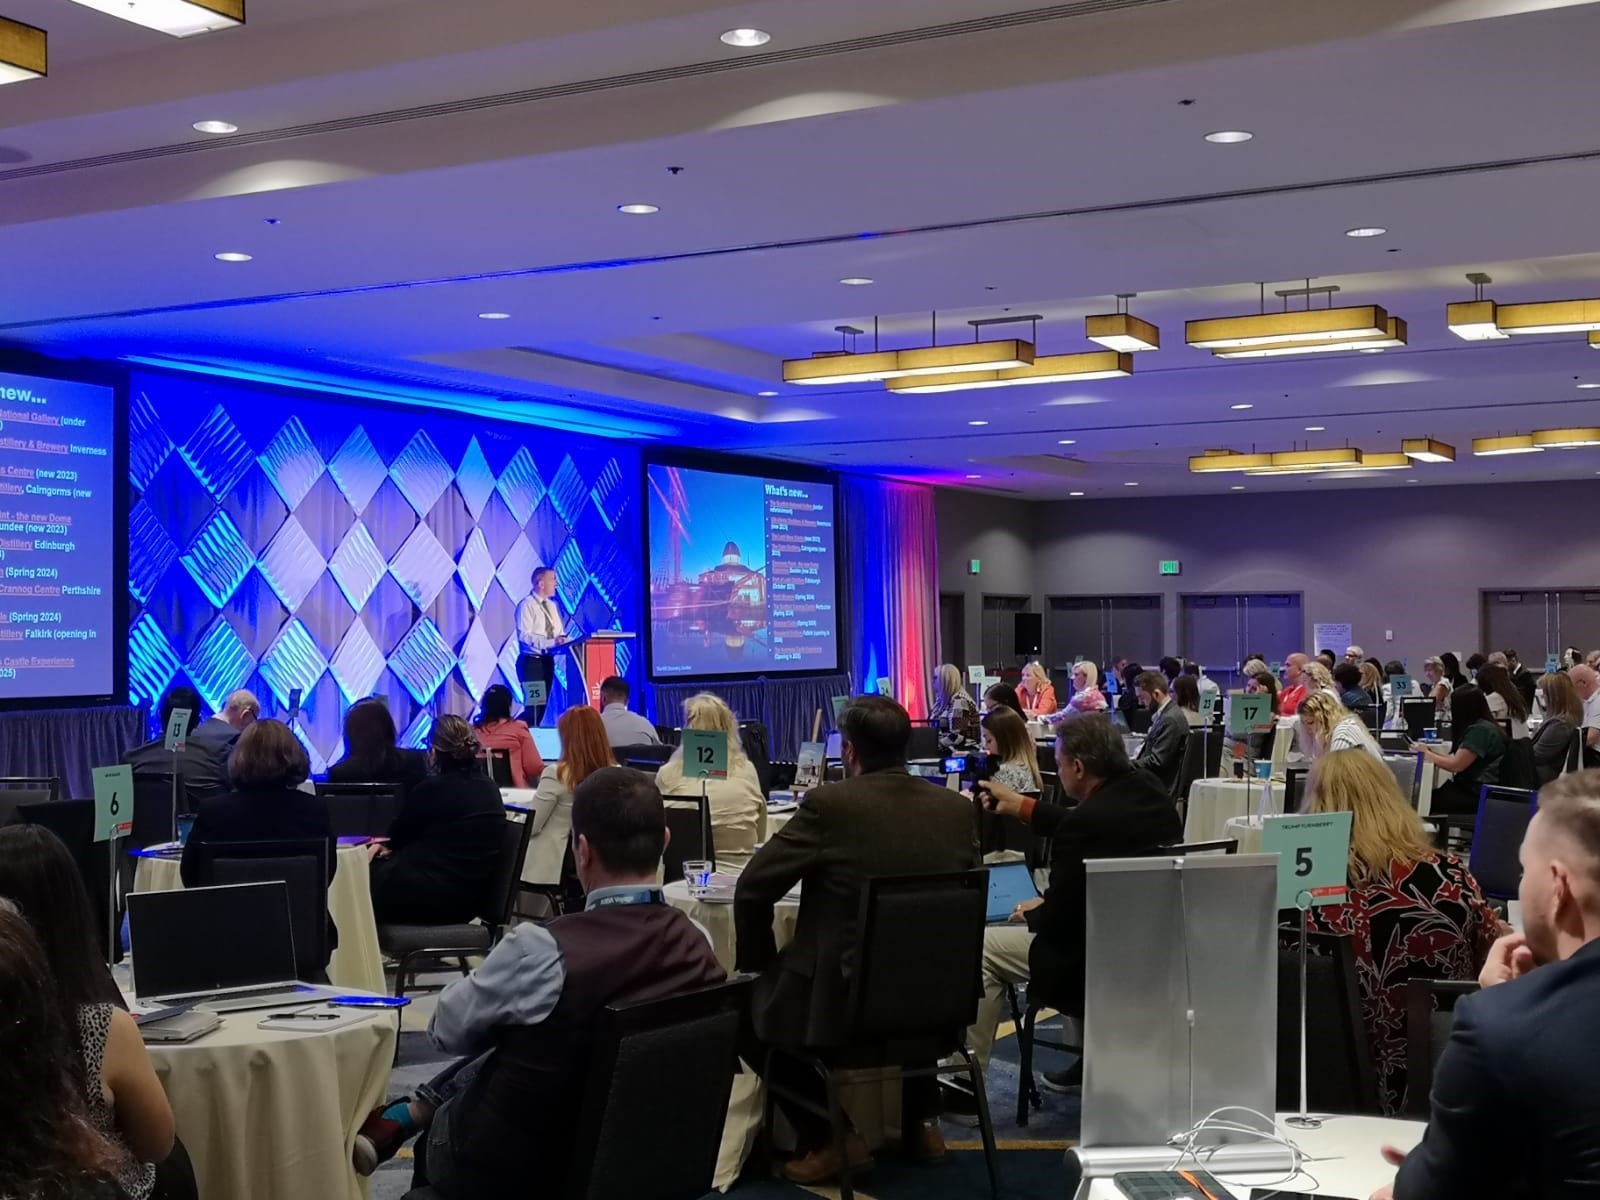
1171, 566
974, 566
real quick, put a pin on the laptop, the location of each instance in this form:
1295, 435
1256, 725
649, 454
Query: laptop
225, 949
1009, 885
547, 742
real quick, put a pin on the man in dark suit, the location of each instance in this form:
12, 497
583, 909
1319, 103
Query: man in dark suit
1121, 812
1516, 1091
219, 733
202, 767
1162, 752
1524, 680
880, 820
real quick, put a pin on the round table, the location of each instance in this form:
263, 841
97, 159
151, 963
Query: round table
272, 1115
1347, 1153
1213, 801
357, 963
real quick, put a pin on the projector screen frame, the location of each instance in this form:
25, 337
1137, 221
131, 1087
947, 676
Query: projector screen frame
738, 465
115, 377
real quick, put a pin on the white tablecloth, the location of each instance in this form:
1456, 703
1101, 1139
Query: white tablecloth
1213, 801
357, 963
270, 1115
1347, 1154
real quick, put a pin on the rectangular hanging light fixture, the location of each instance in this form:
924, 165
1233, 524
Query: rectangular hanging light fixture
960, 358
1053, 368
1551, 316
1395, 335
1515, 444
1227, 460
1427, 450
1286, 471
1594, 341
180, 18
1565, 439
1339, 456
837, 367
1316, 324
22, 51
1122, 332
1474, 321
1393, 461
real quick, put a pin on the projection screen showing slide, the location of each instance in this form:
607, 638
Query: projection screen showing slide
743, 575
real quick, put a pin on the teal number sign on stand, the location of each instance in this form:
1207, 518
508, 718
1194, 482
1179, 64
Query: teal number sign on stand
1313, 857
885, 687
1248, 714
1399, 686
838, 708
705, 754
113, 801
177, 731
534, 691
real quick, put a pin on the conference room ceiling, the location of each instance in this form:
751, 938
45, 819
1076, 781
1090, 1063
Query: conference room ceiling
401, 168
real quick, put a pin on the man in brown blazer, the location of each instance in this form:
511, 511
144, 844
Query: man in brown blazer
880, 820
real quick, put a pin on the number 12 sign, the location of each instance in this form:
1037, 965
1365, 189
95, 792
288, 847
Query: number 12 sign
705, 754
1313, 857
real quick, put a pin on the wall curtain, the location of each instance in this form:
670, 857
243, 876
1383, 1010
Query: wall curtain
891, 587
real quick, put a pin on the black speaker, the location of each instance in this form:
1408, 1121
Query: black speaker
1029, 634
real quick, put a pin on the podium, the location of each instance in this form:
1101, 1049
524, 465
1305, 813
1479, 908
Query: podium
596, 659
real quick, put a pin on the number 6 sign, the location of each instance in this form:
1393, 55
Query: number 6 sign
113, 801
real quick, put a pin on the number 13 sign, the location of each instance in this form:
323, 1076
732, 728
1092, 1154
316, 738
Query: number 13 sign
705, 754
1313, 857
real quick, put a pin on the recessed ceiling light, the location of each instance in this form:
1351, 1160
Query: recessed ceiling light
637, 210
1130, 483
1315, 428
855, 281
745, 39
1240, 407
1238, 487
1365, 231
974, 477
977, 422
1370, 350
1080, 493
1067, 442
1587, 386
494, 316
768, 393
232, 256
1229, 137
215, 127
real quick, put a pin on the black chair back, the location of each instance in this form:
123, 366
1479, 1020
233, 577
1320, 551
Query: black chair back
647, 756
500, 898
1294, 789
17, 790
1407, 772
918, 962
1518, 769
1193, 766
155, 809
1430, 1015
361, 809
690, 1040
302, 865
757, 745
1419, 714
690, 825
73, 822
498, 762
924, 743
1503, 816
1341, 1076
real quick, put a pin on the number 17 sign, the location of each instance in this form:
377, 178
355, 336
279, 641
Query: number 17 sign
705, 754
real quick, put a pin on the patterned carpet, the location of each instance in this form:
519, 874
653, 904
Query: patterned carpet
1029, 1161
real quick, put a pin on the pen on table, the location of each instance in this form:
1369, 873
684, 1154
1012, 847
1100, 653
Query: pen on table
303, 1016
1196, 1184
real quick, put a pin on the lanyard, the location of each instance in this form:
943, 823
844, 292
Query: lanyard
640, 896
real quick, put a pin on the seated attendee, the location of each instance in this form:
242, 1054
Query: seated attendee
1120, 812
880, 820
1037, 693
1474, 664
1437, 684
525, 1018
1294, 684
1505, 702
1563, 717
1411, 912
1003, 695
1452, 670
584, 750
1186, 693
124, 1098
1326, 726
370, 751
1321, 680
1586, 683
1516, 1090
1347, 679
1524, 680
202, 767
1252, 665
1086, 694
950, 695
1353, 654
1171, 668
1128, 706
51, 1149
223, 730
1372, 683
1009, 746
1208, 686
1478, 748
445, 843
623, 726
738, 805
1163, 749
1328, 659
497, 729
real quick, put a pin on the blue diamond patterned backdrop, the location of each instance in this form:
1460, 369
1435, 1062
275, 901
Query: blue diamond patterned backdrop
281, 540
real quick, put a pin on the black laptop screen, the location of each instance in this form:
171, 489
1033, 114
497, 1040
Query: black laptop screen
209, 939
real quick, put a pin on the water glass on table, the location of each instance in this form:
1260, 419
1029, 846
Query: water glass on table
697, 875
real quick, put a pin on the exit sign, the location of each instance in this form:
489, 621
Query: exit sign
974, 566
1170, 566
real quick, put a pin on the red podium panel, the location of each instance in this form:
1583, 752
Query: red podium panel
597, 658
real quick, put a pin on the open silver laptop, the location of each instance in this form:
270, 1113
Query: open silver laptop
221, 948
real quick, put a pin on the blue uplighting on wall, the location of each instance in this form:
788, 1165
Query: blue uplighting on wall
281, 540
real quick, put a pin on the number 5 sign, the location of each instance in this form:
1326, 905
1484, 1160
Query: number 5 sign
113, 801
705, 754
1313, 857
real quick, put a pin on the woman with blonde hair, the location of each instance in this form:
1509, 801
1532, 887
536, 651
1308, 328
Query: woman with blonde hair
1086, 694
950, 696
738, 806
584, 750
1037, 693
1321, 678
1410, 912
1327, 726
1372, 683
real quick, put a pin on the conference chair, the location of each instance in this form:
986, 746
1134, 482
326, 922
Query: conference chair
497, 765
914, 992
361, 809
1340, 1074
670, 735
646, 756
689, 820
1430, 1015
73, 822
155, 809
1407, 772
410, 944
17, 790
1294, 789
1502, 821
301, 864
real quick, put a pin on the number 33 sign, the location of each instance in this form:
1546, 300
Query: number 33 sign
1313, 857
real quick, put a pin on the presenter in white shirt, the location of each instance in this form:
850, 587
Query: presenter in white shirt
541, 632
